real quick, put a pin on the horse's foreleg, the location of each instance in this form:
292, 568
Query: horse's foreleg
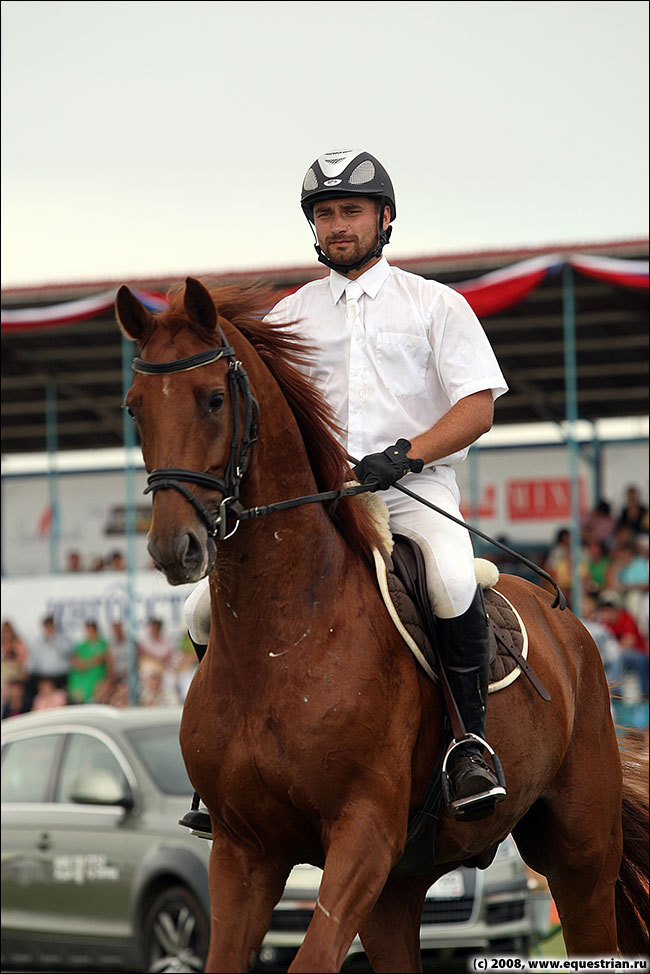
391, 933
359, 857
244, 888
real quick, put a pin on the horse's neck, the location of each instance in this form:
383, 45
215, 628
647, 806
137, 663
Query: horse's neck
283, 564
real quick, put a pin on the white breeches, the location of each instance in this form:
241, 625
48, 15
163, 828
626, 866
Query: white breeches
446, 547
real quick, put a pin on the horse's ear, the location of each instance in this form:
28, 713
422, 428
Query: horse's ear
133, 318
199, 305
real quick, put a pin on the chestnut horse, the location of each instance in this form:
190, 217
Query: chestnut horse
308, 730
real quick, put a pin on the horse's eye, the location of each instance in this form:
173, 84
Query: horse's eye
129, 411
215, 401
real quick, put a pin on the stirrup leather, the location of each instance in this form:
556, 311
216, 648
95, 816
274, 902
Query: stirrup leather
483, 802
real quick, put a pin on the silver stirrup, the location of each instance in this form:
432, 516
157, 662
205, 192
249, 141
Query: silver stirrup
493, 795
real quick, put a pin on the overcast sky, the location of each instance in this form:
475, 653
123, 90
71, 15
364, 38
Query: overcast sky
151, 139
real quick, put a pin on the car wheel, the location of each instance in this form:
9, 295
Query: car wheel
175, 933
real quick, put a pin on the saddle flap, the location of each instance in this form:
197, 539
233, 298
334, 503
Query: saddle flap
407, 565
408, 570
406, 596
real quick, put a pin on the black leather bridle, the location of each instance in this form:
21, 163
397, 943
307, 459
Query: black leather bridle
244, 434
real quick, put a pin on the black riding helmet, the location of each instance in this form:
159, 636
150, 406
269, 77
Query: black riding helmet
348, 173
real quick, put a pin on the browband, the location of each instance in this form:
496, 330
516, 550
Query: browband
182, 364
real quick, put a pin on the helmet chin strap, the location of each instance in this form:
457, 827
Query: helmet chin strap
383, 239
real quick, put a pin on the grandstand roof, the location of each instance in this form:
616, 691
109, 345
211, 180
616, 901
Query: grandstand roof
84, 357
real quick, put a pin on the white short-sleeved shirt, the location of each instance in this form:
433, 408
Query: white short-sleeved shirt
417, 349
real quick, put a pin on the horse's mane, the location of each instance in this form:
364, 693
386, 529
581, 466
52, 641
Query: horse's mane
286, 355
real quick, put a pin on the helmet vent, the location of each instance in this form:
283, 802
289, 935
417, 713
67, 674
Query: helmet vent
310, 183
364, 173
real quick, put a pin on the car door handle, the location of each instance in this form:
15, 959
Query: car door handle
44, 843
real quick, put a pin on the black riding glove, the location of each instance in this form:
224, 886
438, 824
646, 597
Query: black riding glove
384, 469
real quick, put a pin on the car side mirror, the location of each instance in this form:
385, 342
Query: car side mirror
100, 788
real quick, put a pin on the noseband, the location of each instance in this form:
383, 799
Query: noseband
244, 434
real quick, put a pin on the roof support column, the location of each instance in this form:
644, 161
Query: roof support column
571, 395
51, 438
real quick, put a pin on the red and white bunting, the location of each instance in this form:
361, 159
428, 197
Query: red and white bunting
487, 295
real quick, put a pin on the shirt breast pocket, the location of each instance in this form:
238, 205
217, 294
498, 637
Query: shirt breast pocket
403, 362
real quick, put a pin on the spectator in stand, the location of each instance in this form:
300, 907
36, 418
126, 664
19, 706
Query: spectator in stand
597, 562
13, 700
628, 572
15, 657
608, 647
118, 649
558, 558
558, 562
643, 617
114, 690
155, 646
120, 696
115, 562
49, 657
96, 565
156, 691
73, 562
600, 524
634, 647
89, 667
633, 575
49, 696
624, 537
634, 514
156, 655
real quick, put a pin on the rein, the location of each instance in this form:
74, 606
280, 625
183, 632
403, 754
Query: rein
175, 478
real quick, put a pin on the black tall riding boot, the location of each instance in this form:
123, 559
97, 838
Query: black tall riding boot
198, 820
464, 649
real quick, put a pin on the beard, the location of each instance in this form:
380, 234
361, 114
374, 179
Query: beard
355, 250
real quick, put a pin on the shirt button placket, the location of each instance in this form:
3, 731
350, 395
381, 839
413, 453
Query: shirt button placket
353, 293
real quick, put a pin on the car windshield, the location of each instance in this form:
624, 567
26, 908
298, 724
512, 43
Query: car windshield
161, 753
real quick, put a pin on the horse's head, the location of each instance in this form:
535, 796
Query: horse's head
192, 406
197, 420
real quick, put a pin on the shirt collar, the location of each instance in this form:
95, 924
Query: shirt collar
370, 281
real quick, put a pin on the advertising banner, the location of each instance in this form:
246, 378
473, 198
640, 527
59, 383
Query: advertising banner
102, 597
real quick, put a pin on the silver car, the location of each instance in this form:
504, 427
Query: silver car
96, 874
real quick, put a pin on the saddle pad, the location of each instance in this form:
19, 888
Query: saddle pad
504, 620
503, 617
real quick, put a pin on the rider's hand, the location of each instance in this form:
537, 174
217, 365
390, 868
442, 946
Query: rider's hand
384, 469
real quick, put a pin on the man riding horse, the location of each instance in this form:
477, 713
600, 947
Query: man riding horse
401, 360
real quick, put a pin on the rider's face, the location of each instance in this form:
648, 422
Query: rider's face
347, 228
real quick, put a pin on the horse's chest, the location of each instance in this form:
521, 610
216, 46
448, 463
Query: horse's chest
282, 748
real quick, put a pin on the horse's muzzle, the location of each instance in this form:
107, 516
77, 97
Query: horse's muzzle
184, 557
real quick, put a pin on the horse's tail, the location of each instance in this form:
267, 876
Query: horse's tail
632, 882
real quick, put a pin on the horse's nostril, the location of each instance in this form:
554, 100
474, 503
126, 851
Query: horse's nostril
182, 557
193, 554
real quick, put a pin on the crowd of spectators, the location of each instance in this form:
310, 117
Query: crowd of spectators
54, 670
613, 575
114, 562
